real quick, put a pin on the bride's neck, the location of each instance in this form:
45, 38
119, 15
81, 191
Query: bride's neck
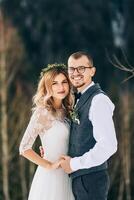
57, 103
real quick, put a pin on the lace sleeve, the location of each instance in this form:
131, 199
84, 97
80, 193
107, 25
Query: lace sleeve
39, 123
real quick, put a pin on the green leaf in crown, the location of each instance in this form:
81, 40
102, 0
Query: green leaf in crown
52, 66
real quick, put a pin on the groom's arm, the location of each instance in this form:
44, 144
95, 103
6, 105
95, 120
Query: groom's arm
100, 115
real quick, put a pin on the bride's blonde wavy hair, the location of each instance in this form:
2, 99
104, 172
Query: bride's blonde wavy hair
43, 96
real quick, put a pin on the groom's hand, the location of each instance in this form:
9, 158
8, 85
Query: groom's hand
65, 164
41, 151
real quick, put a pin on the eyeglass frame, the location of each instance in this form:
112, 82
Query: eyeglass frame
77, 69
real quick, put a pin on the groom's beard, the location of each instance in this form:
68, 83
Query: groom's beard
77, 81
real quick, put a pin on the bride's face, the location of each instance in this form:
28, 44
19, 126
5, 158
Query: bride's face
60, 87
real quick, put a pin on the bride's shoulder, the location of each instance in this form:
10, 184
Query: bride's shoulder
43, 117
42, 111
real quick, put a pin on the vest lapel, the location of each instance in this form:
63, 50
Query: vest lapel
84, 97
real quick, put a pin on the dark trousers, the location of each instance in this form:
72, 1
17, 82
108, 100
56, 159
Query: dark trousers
93, 186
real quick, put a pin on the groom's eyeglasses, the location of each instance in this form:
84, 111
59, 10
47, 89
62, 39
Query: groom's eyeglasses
79, 69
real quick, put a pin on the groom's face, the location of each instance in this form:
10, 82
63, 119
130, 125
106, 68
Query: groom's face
80, 78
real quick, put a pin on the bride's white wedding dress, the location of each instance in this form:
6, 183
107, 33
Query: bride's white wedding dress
54, 135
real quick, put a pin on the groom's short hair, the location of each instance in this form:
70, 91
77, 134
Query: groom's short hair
79, 54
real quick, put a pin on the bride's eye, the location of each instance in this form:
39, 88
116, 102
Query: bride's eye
65, 81
54, 83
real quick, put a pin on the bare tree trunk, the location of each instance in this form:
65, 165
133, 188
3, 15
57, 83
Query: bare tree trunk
32, 168
3, 88
126, 144
114, 172
23, 180
18, 129
121, 189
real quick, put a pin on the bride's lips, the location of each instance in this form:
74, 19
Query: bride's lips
62, 92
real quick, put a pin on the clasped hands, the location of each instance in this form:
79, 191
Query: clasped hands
63, 162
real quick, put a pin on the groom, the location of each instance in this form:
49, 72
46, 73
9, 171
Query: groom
92, 137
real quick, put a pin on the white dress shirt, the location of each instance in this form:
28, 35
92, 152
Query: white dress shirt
100, 115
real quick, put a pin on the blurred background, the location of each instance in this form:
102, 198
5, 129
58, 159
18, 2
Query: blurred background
34, 33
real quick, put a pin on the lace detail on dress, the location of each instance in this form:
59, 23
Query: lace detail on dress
40, 121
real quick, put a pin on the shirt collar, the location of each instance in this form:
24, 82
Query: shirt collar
91, 84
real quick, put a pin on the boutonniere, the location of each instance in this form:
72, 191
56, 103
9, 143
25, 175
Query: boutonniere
75, 116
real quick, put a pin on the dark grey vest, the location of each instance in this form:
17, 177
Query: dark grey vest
81, 135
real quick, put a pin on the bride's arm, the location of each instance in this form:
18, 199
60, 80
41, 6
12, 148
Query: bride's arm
35, 158
34, 128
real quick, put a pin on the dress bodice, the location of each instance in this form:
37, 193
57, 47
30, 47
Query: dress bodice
53, 132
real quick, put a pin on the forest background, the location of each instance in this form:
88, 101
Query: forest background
35, 33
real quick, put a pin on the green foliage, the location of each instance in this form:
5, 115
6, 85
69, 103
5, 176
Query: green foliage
52, 30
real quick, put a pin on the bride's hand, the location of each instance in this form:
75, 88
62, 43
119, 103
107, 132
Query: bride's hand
56, 164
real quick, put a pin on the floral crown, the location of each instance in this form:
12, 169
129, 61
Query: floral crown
52, 66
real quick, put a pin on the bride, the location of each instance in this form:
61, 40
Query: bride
53, 102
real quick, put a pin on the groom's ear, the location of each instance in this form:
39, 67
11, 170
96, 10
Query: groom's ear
93, 70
